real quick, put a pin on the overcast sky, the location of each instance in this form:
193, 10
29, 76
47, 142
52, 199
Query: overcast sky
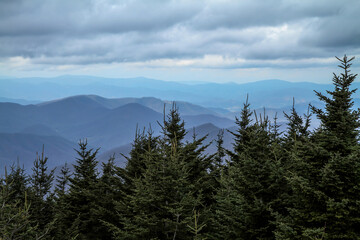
220, 41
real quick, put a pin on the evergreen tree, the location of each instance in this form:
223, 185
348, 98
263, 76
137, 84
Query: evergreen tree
62, 181
339, 122
15, 222
162, 203
61, 205
250, 187
325, 171
199, 164
40, 196
242, 136
173, 127
79, 217
143, 142
19, 184
217, 164
109, 191
297, 127
168, 189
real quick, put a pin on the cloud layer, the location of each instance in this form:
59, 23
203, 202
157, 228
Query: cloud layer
197, 34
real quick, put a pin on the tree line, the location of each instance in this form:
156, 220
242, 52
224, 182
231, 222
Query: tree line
297, 184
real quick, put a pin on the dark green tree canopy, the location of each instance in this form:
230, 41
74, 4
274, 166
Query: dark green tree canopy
339, 121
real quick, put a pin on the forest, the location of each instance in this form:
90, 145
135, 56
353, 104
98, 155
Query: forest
302, 183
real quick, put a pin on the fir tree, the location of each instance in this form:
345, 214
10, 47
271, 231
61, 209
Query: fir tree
61, 205
62, 181
173, 127
109, 191
168, 189
325, 171
297, 127
242, 135
40, 196
15, 222
162, 203
249, 189
19, 184
339, 122
135, 166
79, 217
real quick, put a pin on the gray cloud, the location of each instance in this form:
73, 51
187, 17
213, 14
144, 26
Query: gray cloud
90, 32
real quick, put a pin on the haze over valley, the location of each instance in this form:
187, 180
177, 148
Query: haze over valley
54, 112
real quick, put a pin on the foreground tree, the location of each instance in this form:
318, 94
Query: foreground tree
168, 189
250, 186
15, 218
79, 217
325, 174
340, 124
40, 196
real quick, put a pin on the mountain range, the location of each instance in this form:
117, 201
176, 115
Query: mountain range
105, 123
41, 111
267, 93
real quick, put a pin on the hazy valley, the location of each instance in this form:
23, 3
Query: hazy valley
31, 118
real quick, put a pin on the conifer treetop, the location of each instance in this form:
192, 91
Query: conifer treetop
339, 121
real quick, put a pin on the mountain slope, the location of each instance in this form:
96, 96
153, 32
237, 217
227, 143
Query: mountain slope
22, 146
117, 127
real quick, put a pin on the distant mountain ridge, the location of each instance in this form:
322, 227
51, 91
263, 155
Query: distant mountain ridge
105, 123
109, 121
267, 93
150, 102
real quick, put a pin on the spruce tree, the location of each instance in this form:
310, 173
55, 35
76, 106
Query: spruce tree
242, 136
173, 127
168, 190
79, 217
339, 122
249, 188
297, 127
40, 195
325, 170
340, 175
62, 181
163, 200
19, 184
109, 191
15, 218
61, 205
135, 166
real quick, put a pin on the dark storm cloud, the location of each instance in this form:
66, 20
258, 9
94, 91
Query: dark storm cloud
88, 32
338, 30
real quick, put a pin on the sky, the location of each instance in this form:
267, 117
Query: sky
215, 41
